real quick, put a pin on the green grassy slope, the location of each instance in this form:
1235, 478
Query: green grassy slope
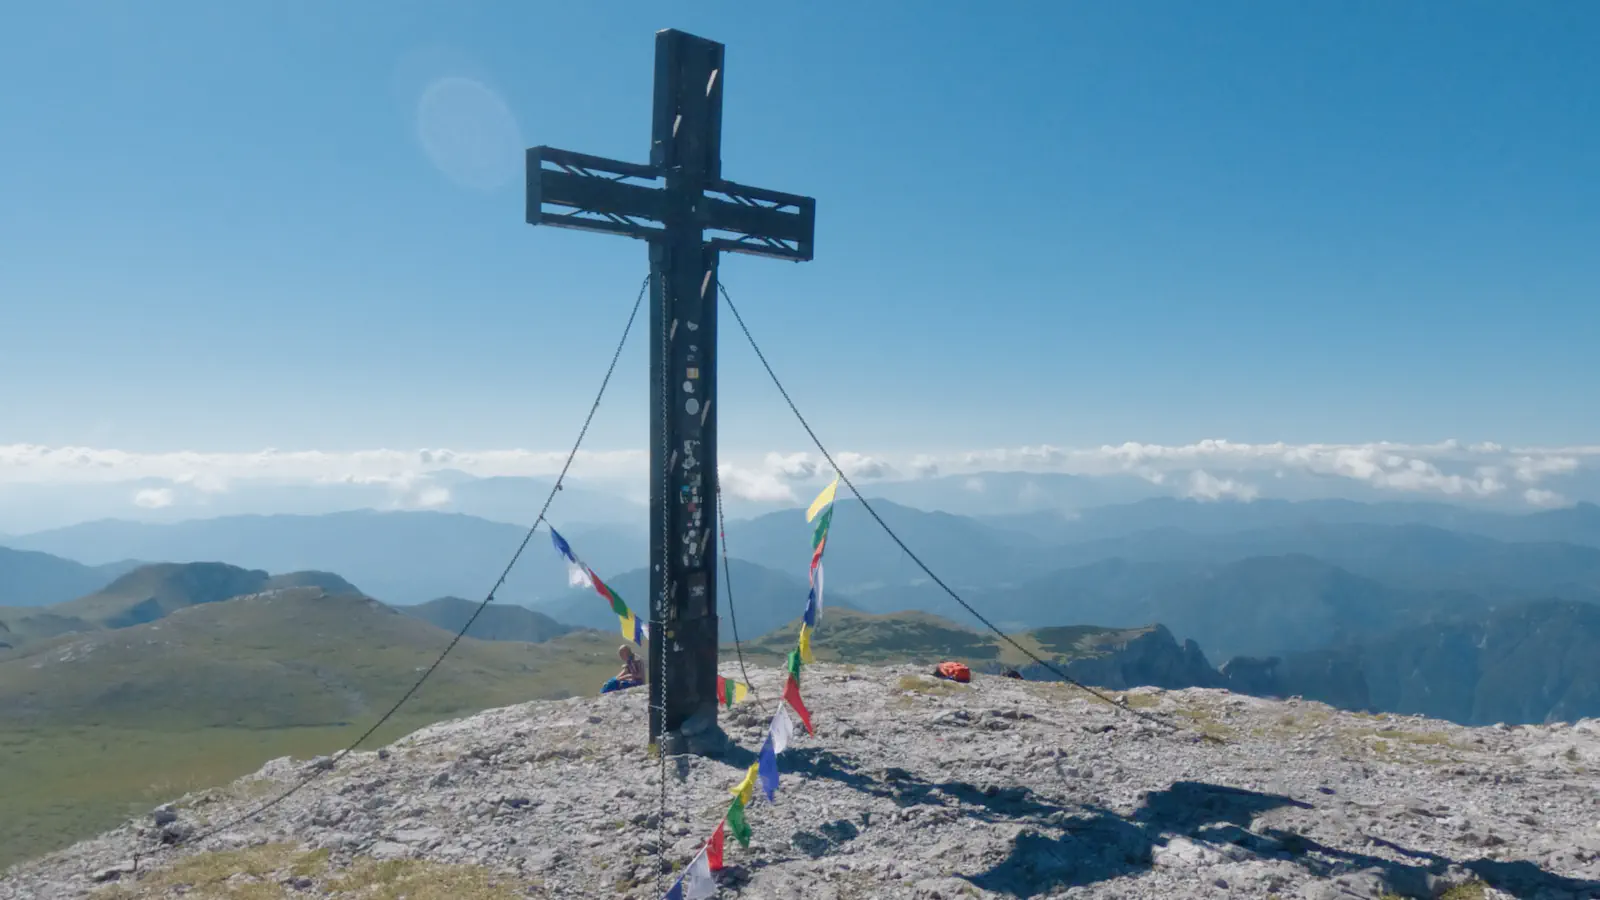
96, 726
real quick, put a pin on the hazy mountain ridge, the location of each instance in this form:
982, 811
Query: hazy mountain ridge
403, 557
413, 557
32, 578
150, 593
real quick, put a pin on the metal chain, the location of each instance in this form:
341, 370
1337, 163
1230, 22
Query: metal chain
658, 635
867, 505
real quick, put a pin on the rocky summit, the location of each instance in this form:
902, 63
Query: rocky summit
911, 787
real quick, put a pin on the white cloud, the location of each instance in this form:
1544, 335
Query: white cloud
974, 485
1541, 497
1205, 486
1446, 468
33, 463
154, 498
432, 497
1531, 470
760, 486
923, 465
859, 466
795, 466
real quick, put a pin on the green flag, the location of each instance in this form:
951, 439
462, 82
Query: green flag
737, 824
794, 663
821, 530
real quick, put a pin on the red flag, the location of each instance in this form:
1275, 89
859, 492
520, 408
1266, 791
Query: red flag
791, 695
714, 849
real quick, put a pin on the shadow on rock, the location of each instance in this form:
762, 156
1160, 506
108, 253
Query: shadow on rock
1103, 845
993, 803
1195, 823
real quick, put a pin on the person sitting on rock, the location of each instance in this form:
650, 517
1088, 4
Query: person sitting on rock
631, 675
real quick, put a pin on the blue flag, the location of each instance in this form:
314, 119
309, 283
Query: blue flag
811, 608
562, 547
677, 890
767, 769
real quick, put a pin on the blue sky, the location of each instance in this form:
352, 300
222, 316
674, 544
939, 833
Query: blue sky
1069, 223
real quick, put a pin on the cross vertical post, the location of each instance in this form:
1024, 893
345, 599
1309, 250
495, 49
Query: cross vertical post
672, 203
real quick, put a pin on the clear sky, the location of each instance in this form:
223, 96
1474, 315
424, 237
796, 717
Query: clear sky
228, 226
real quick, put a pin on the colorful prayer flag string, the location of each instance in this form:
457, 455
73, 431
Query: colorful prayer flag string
698, 881
581, 575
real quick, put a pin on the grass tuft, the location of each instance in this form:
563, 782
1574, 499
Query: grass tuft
938, 687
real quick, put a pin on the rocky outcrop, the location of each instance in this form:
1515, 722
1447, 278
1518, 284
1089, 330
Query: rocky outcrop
1251, 675
1146, 656
910, 788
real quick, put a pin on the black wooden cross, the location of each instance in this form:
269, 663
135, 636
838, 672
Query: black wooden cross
673, 203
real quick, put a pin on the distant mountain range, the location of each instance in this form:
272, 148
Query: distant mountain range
1327, 634
1026, 572
763, 599
401, 557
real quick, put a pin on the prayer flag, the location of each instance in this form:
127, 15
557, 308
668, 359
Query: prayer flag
736, 823
729, 691
698, 882
823, 499
562, 547
747, 788
767, 766
821, 531
791, 695
805, 645
714, 847
676, 891
814, 598
794, 664
617, 606
578, 576
632, 628
780, 731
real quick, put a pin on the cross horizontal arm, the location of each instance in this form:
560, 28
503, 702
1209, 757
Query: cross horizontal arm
596, 189
762, 222
606, 195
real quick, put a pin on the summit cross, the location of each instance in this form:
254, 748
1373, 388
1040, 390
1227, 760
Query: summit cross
689, 214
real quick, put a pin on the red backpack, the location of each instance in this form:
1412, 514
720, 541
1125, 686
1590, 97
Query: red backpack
954, 671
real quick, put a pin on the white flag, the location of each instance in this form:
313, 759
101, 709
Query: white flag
698, 882
578, 576
782, 729
819, 591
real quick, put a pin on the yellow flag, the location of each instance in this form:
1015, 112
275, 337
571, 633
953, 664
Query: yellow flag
739, 690
747, 788
805, 645
627, 623
823, 499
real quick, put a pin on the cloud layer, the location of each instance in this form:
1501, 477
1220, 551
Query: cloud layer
1210, 469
